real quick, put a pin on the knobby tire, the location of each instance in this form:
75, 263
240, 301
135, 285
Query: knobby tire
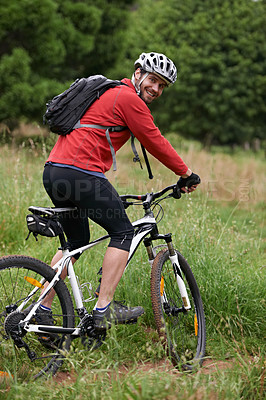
16, 276
184, 334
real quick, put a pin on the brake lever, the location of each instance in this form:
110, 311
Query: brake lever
176, 192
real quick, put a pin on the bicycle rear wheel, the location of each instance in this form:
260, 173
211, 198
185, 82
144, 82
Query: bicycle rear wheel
19, 275
182, 332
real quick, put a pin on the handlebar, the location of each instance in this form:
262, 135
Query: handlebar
176, 189
148, 198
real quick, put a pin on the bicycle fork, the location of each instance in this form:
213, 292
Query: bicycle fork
176, 267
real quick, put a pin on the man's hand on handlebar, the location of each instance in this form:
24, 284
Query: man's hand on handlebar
188, 184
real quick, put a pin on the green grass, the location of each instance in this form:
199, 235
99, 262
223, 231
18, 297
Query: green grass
222, 241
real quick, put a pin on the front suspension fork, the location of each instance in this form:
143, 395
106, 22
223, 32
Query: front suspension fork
175, 263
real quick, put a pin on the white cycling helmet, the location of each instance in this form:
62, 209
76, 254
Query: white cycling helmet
159, 64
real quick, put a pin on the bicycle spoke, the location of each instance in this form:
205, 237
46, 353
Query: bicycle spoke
20, 278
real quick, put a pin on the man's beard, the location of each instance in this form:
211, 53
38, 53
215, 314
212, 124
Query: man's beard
142, 97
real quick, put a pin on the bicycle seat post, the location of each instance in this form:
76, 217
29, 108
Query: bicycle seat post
63, 243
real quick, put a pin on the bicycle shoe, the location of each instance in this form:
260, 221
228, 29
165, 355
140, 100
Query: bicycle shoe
116, 313
43, 317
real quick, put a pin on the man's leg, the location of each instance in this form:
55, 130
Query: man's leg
114, 263
103, 314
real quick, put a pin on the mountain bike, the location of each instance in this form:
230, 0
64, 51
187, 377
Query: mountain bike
25, 281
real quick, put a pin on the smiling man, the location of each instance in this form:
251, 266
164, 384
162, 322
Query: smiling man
74, 175
152, 87
148, 79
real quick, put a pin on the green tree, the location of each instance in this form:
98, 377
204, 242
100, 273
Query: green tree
219, 48
46, 44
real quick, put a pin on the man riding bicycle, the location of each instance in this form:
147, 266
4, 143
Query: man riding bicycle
74, 177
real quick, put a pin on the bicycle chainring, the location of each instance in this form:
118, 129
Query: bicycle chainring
91, 338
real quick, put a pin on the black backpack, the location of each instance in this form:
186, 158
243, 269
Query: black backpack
65, 110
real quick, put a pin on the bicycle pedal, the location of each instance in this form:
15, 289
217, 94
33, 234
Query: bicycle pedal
47, 341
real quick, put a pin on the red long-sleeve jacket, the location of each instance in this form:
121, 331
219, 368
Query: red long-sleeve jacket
88, 148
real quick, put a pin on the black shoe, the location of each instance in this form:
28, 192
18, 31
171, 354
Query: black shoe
43, 317
116, 313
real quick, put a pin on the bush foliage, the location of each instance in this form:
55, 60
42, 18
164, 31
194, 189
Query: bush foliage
46, 44
218, 46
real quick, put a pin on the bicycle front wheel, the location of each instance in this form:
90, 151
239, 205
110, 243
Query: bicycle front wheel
20, 276
182, 332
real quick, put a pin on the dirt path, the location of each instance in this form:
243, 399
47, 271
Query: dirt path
209, 366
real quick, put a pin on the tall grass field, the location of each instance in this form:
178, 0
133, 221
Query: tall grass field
219, 229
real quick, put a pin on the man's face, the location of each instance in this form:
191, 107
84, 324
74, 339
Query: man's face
151, 88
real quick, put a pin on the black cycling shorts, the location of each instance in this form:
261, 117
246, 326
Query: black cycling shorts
95, 198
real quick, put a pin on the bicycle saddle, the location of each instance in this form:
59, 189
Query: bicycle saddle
51, 210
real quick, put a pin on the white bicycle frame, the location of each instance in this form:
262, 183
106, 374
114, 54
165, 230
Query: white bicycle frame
143, 226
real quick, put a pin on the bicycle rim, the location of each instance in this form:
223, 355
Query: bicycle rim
19, 276
182, 333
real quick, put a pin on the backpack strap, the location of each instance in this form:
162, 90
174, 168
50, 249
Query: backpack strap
146, 161
119, 128
137, 159
133, 147
108, 129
